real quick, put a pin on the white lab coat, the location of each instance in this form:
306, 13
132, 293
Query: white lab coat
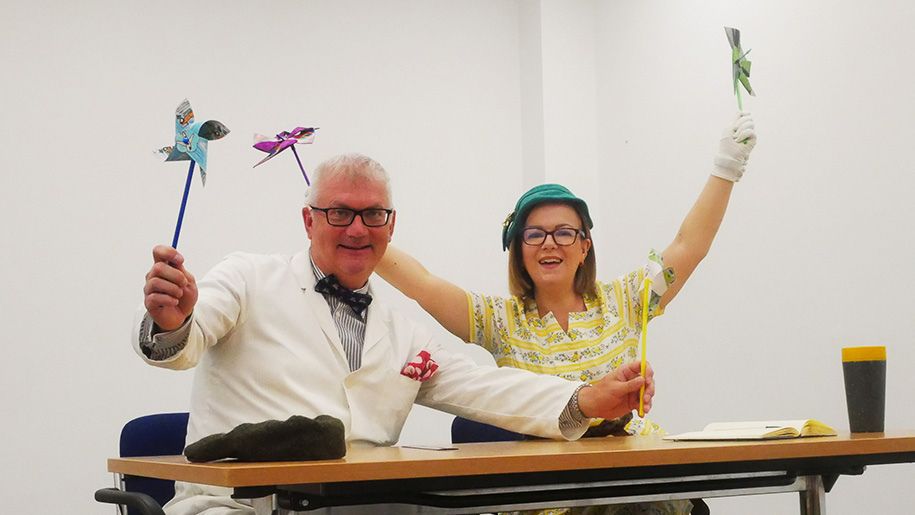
265, 346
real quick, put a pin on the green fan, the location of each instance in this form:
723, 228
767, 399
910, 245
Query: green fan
740, 65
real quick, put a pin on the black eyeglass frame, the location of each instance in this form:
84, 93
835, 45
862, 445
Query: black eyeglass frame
353, 213
578, 232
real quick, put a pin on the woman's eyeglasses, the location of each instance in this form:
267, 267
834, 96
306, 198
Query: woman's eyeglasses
563, 236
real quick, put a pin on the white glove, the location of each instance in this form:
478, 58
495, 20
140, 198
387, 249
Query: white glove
734, 148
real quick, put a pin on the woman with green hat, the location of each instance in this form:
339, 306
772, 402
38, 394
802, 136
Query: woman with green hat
560, 320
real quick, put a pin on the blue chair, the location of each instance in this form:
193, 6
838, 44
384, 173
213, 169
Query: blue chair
468, 431
162, 434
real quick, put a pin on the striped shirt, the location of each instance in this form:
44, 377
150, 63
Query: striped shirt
350, 325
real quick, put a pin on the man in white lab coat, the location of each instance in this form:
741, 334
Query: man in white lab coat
273, 336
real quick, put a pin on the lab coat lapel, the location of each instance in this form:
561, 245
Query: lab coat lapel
376, 326
301, 268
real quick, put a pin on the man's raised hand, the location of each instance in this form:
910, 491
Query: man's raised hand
170, 291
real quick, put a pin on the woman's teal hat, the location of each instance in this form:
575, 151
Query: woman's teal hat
544, 193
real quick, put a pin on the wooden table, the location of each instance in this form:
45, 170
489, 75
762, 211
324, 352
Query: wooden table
535, 474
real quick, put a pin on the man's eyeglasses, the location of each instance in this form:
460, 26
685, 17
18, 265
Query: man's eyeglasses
342, 216
564, 236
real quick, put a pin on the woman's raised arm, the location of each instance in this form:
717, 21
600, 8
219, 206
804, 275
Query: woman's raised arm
446, 302
694, 239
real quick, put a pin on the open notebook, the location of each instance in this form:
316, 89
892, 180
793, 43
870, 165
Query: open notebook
759, 430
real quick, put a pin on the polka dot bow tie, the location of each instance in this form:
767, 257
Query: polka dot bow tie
329, 285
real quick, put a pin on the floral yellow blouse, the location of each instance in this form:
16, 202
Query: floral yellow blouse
599, 339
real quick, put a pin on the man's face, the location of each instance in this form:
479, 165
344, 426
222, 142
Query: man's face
350, 252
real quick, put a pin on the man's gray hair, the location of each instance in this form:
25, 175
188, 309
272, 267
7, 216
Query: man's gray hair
351, 166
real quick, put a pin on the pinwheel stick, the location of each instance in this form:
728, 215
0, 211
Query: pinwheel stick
296, 154
646, 293
187, 189
739, 100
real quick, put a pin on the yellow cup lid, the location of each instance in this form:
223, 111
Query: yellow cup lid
876, 353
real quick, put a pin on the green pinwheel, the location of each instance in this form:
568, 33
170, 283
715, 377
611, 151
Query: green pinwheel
740, 65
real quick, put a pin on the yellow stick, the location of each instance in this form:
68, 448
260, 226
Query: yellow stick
646, 295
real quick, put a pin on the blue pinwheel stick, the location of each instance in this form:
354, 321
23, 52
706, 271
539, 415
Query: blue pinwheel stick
191, 145
187, 189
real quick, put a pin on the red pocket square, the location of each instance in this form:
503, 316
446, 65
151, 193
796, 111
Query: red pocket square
421, 368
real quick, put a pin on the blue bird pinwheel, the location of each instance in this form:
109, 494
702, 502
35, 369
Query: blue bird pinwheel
191, 140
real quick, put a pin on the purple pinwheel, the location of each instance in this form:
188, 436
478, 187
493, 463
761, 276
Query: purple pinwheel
284, 140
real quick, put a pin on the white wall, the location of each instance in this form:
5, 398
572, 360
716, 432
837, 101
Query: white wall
811, 257
813, 253
430, 89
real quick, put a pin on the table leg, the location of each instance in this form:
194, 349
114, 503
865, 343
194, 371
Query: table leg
813, 498
263, 505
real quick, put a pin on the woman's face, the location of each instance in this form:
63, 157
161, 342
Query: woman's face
551, 265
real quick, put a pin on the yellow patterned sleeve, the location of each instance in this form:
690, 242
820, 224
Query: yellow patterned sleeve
631, 286
481, 323
487, 321
472, 331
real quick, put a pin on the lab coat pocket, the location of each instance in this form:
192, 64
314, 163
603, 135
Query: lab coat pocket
379, 400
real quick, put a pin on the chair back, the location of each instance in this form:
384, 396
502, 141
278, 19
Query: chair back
161, 434
468, 431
